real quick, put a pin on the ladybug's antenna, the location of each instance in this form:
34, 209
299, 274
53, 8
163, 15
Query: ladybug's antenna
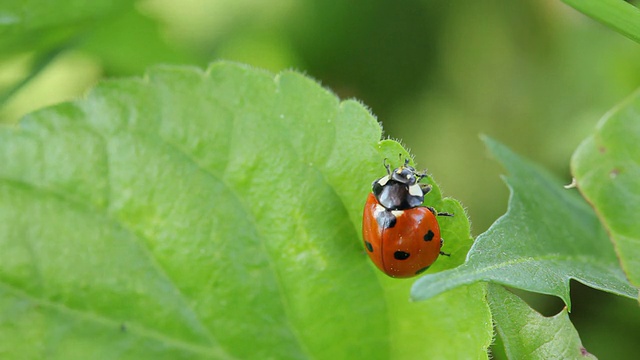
387, 166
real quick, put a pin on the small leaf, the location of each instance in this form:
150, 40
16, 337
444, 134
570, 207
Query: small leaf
454, 325
528, 335
607, 168
211, 215
620, 16
548, 236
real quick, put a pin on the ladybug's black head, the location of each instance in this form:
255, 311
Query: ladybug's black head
406, 175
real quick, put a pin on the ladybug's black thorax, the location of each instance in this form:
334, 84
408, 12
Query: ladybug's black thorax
394, 195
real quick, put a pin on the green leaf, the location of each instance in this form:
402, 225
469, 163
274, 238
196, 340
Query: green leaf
607, 168
619, 15
210, 215
462, 314
528, 335
548, 236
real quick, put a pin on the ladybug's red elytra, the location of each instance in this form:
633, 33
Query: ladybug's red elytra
401, 236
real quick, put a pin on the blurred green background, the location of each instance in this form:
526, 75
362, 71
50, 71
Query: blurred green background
536, 75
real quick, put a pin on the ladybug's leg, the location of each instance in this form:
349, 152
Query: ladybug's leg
421, 175
425, 188
442, 252
438, 213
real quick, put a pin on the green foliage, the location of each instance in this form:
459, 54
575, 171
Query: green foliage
210, 215
119, 51
548, 236
36, 25
607, 169
616, 14
529, 335
180, 216
44, 29
37, 32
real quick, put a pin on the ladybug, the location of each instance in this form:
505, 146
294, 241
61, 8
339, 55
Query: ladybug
401, 236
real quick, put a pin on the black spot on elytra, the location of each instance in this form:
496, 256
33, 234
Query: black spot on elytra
368, 245
385, 219
422, 270
429, 236
401, 255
